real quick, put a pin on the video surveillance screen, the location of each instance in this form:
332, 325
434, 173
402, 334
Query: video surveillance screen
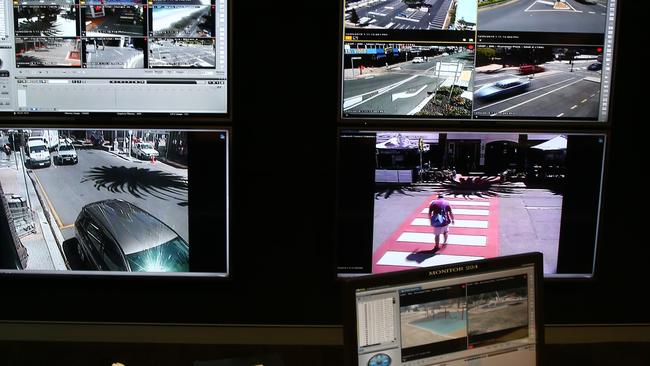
114, 201
517, 60
410, 199
110, 58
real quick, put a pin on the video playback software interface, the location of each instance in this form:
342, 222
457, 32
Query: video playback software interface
477, 59
113, 56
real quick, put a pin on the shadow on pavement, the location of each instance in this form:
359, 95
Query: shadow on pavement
386, 192
139, 182
421, 256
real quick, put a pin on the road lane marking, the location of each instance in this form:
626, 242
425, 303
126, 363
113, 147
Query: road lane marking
404, 95
584, 100
393, 258
464, 211
480, 224
574, 107
453, 239
560, 115
49, 203
537, 97
66, 226
521, 95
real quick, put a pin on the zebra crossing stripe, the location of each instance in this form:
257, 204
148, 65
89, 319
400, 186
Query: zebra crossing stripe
453, 239
480, 224
391, 258
469, 203
464, 211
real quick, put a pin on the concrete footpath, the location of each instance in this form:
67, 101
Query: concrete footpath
42, 247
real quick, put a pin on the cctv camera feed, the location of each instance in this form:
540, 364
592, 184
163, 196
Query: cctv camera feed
528, 60
65, 58
114, 53
411, 199
114, 201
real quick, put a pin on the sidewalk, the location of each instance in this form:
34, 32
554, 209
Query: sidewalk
42, 248
160, 163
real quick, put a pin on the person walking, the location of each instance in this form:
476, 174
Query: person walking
440, 216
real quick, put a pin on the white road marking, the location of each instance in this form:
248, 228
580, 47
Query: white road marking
463, 211
560, 115
574, 107
537, 97
453, 239
391, 258
405, 95
480, 224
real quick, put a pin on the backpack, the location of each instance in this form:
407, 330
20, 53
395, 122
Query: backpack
439, 219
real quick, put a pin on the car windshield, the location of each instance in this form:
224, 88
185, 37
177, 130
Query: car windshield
506, 83
146, 146
172, 256
37, 149
65, 147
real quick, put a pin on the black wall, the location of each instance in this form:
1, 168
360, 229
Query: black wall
283, 197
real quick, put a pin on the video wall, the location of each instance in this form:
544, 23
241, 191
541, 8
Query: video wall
115, 201
114, 57
507, 193
477, 60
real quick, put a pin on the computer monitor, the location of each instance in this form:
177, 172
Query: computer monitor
528, 61
114, 58
509, 192
140, 202
484, 312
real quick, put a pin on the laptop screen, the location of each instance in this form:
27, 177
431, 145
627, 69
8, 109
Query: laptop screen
484, 312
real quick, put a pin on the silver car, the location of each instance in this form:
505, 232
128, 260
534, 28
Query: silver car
66, 153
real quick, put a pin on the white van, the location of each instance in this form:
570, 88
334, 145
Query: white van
38, 154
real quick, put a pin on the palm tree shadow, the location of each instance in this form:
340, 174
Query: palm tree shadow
421, 256
139, 182
388, 191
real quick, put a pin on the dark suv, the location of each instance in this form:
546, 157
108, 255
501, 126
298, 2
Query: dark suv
115, 235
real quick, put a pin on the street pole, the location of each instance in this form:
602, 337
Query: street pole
13, 141
22, 157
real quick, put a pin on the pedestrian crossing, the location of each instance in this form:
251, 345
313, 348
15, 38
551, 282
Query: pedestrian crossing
474, 235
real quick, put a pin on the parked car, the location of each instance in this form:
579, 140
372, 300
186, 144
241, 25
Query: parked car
115, 235
37, 154
530, 69
417, 60
65, 153
595, 66
502, 88
143, 150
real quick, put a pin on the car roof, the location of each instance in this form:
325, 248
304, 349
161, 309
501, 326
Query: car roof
132, 227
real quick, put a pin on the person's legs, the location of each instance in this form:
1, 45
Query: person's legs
445, 235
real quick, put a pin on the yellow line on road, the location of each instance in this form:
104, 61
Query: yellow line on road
49, 203
66, 226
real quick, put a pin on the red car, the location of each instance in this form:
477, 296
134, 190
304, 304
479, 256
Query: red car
530, 69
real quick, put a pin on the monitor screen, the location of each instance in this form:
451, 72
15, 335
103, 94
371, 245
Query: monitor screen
128, 202
469, 60
114, 57
506, 193
486, 312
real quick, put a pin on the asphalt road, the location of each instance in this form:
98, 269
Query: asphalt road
176, 55
556, 92
539, 16
70, 187
114, 58
398, 91
394, 14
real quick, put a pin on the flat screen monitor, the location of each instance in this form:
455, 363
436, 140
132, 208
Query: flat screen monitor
486, 312
114, 202
508, 193
509, 60
66, 58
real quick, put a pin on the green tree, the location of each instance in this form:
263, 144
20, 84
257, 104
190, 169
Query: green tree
485, 55
354, 17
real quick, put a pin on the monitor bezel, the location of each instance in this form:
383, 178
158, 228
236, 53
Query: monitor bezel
146, 276
378, 121
553, 278
350, 285
144, 119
